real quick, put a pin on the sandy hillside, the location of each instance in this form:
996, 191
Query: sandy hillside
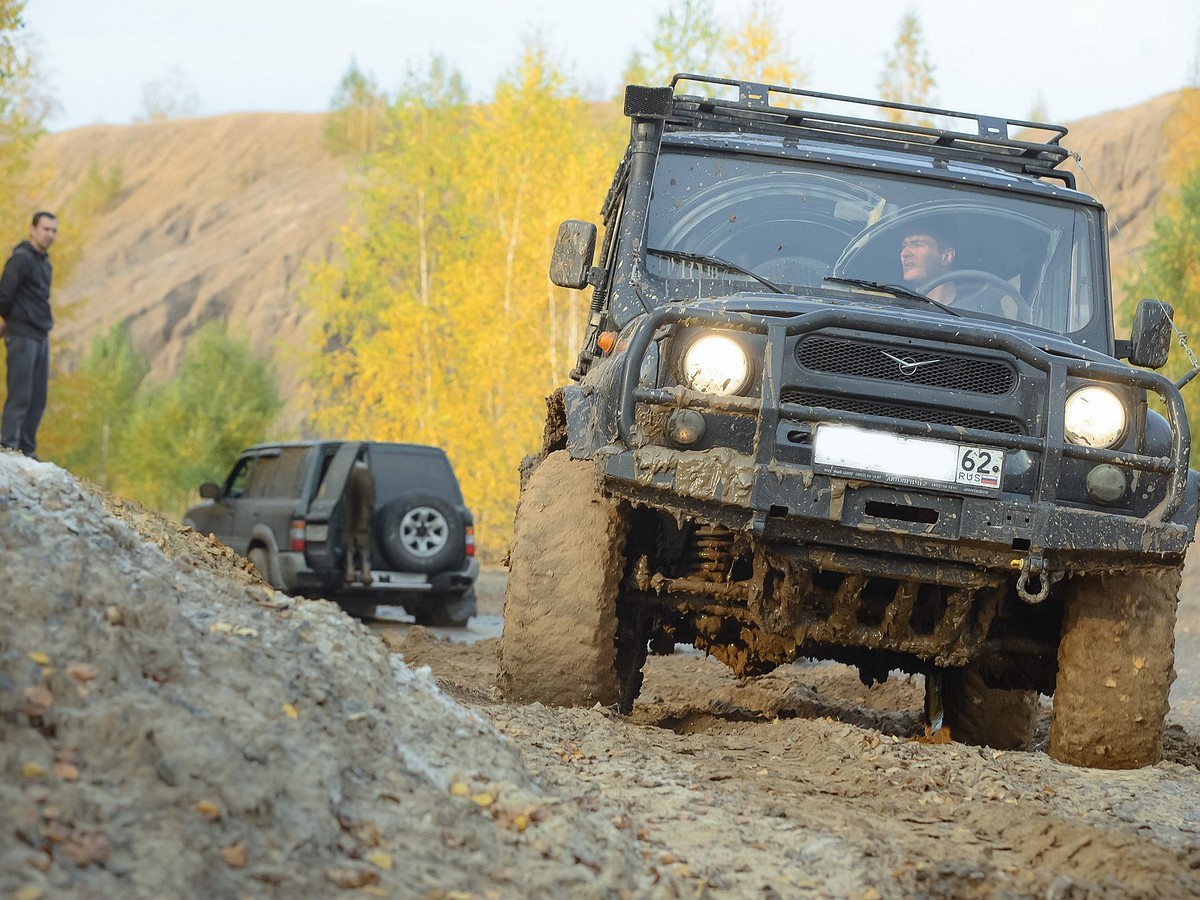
217, 217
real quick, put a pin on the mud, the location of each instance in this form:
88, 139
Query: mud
170, 727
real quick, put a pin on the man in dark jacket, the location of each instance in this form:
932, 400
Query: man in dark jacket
25, 310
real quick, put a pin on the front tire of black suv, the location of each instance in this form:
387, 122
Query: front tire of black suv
567, 559
421, 532
1116, 662
449, 611
985, 716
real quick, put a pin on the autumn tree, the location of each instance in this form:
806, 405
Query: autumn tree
757, 50
22, 111
907, 75
686, 38
169, 97
187, 431
357, 115
439, 325
90, 408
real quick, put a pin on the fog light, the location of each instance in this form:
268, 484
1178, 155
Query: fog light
1106, 484
685, 427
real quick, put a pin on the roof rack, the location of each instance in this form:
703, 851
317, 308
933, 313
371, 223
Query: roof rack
754, 111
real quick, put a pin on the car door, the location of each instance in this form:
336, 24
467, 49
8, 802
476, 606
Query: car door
271, 496
324, 517
218, 517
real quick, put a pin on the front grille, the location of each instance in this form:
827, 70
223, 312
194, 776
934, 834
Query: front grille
902, 411
862, 360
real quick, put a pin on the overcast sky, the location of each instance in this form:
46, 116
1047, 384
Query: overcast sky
996, 58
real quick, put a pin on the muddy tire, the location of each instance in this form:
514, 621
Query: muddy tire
449, 611
262, 563
558, 645
985, 716
1116, 662
363, 610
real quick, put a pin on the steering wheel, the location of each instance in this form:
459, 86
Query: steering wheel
982, 280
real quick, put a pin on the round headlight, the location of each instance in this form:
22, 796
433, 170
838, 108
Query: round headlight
1095, 417
716, 364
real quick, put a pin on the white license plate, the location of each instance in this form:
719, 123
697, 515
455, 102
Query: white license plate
317, 533
900, 459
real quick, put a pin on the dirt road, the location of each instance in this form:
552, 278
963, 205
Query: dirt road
171, 727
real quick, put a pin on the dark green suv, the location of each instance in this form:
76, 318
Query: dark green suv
282, 506
849, 389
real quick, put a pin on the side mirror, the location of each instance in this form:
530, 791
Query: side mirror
1150, 342
210, 491
573, 252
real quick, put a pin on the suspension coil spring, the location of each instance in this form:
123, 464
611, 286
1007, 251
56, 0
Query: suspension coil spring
713, 554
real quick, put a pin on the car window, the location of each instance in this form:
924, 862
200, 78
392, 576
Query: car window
240, 476
398, 470
262, 475
287, 472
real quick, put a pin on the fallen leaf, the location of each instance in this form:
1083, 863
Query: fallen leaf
234, 855
220, 628
39, 657
208, 809
82, 672
460, 789
38, 700
33, 770
86, 847
291, 711
1139, 662
352, 878
484, 799
245, 631
66, 771
29, 892
1110, 682
379, 859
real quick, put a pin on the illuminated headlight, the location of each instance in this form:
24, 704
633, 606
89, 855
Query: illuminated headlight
716, 364
1095, 417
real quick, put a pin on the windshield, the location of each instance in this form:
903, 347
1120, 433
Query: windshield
723, 224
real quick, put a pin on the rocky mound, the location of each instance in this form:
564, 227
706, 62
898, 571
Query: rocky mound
170, 726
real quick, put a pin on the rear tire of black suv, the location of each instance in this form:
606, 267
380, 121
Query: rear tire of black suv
1116, 662
421, 532
567, 559
363, 610
449, 611
985, 716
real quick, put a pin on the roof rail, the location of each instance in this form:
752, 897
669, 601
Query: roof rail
762, 108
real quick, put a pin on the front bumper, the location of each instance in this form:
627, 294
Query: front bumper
778, 499
797, 505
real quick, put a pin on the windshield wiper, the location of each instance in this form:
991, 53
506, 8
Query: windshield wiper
894, 289
718, 263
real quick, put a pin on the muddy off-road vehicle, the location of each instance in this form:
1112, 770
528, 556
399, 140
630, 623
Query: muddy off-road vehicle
784, 441
283, 507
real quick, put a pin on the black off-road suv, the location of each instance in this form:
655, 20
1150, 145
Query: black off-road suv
787, 439
282, 507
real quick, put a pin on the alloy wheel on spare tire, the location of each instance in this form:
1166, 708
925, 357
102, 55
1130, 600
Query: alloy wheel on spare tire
421, 532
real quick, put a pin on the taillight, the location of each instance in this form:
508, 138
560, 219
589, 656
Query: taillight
469, 537
296, 535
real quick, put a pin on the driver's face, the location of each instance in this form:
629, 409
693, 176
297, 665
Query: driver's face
921, 257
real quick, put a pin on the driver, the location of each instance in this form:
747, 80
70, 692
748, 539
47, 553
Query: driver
926, 253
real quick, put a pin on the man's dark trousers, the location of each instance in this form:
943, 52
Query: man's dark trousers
28, 375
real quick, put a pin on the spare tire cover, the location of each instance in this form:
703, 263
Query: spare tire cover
421, 532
